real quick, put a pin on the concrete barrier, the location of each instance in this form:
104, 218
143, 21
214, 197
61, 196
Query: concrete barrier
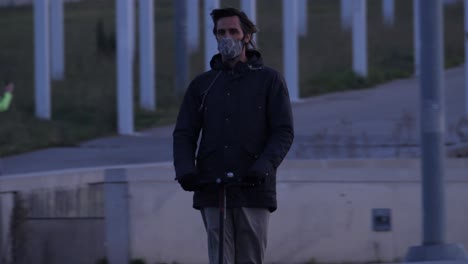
324, 214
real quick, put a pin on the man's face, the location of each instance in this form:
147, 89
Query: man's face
230, 27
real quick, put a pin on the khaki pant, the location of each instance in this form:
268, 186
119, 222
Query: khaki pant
245, 238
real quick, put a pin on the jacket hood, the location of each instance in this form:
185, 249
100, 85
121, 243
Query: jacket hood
254, 62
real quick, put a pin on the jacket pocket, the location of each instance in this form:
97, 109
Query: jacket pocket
253, 152
207, 162
204, 153
248, 157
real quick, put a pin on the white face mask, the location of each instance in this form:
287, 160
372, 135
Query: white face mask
230, 48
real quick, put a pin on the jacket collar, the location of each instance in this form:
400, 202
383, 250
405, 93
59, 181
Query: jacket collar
254, 62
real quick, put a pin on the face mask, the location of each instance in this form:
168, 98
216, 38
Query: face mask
230, 48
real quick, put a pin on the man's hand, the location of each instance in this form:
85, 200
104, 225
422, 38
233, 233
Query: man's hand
255, 178
9, 87
189, 182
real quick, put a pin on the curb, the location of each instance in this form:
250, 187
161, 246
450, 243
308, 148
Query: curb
458, 150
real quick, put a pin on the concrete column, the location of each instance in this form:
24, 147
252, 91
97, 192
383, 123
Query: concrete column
290, 48
432, 121
116, 209
132, 29
250, 8
147, 65
211, 47
388, 9
346, 14
124, 67
181, 56
57, 39
7, 204
302, 16
466, 57
434, 246
42, 59
193, 25
360, 37
416, 37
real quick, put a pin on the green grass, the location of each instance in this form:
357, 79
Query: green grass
84, 104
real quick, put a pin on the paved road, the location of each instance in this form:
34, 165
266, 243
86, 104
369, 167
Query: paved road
381, 122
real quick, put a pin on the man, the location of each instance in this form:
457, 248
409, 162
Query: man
5, 100
243, 113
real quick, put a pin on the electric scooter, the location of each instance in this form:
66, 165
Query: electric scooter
223, 185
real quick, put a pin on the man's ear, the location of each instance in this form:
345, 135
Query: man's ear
247, 39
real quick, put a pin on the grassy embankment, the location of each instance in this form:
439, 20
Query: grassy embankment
84, 104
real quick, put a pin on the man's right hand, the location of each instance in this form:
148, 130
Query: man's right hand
189, 182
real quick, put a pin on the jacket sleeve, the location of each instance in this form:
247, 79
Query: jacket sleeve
5, 101
281, 127
186, 132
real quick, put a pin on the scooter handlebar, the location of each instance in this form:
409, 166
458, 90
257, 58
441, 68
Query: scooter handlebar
227, 183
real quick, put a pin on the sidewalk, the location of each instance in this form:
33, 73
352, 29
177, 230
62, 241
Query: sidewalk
381, 122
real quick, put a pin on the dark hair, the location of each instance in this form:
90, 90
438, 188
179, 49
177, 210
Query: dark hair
248, 27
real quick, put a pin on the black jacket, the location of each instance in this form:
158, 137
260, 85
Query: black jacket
245, 123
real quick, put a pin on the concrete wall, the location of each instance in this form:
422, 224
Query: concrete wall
71, 241
324, 210
50, 222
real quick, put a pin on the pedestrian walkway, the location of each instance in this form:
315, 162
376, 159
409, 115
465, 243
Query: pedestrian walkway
382, 122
